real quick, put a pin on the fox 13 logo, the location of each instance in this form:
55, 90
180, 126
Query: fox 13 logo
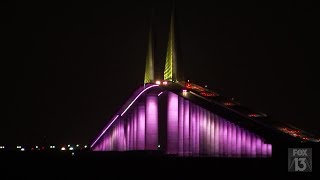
299, 159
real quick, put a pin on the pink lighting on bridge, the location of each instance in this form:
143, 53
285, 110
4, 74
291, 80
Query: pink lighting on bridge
191, 130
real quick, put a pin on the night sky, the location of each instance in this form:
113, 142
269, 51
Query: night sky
67, 67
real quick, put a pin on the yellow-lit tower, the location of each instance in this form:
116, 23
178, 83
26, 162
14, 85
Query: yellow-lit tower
170, 70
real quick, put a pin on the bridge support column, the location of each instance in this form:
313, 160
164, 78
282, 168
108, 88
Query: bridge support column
253, 145
233, 140
180, 125
122, 136
141, 127
229, 139
216, 135
172, 124
243, 143
259, 147
197, 134
212, 135
186, 132
225, 138
131, 132
201, 131
222, 136
269, 149
239, 140
264, 150
135, 129
208, 133
248, 145
192, 128
151, 122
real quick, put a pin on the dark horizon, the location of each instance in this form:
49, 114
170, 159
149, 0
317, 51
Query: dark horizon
69, 67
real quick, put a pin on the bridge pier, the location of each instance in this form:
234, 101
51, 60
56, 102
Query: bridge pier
151, 128
172, 125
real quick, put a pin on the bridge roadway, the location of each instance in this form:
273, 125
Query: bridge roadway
265, 126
